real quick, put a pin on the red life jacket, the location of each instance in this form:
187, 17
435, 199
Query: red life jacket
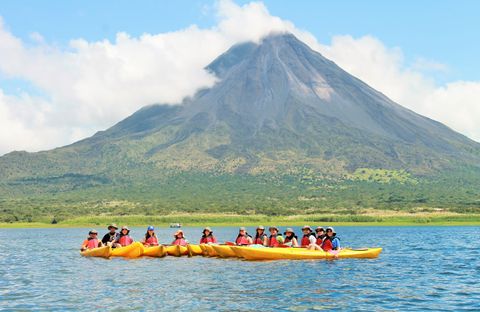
208, 239
180, 241
152, 241
92, 243
272, 241
306, 240
125, 240
289, 239
242, 240
319, 241
259, 240
327, 244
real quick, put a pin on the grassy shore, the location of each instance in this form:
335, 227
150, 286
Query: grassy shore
367, 218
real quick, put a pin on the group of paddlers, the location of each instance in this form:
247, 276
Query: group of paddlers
318, 239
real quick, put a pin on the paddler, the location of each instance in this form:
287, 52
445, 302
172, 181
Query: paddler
150, 237
272, 240
179, 239
260, 237
290, 238
111, 236
331, 241
243, 238
207, 236
320, 238
124, 239
91, 241
308, 238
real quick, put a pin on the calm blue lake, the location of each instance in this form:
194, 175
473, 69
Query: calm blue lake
421, 268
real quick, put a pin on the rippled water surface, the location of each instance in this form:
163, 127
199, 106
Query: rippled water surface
420, 268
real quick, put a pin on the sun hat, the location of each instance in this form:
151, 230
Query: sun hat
289, 230
150, 228
260, 227
92, 232
125, 228
331, 229
319, 228
242, 229
273, 227
307, 227
113, 225
207, 228
178, 232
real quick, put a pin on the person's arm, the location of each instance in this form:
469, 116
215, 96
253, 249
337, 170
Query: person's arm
249, 240
336, 244
312, 240
294, 242
215, 240
265, 240
84, 245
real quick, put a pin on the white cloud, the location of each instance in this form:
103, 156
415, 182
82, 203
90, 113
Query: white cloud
91, 85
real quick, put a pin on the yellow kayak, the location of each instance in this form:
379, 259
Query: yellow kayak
224, 251
155, 251
194, 250
103, 252
176, 250
251, 253
133, 250
210, 251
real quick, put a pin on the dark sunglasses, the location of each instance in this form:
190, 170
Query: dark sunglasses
319, 231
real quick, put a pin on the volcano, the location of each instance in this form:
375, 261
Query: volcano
277, 106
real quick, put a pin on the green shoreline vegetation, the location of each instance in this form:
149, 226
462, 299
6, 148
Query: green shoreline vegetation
381, 218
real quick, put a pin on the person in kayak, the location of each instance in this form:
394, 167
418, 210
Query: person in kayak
111, 236
308, 238
320, 238
243, 238
320, 235
91, 241
124, 239
207, 237
272, 240
260, 237
331, 241
150, 237
179, 239
290, 238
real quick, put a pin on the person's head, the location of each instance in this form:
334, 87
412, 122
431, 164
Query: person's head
306, 230
150, 230
260, 229
207, 231
273, 230
242, 231
178, 234
125, 230
112, 228
331, 232
93, 234
320, 230
289, 232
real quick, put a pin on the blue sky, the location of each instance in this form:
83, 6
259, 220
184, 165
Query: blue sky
443, 31
71, 68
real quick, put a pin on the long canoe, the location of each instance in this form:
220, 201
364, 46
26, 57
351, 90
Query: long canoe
251, 253
102, 252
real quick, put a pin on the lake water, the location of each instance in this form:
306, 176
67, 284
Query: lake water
420, 268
